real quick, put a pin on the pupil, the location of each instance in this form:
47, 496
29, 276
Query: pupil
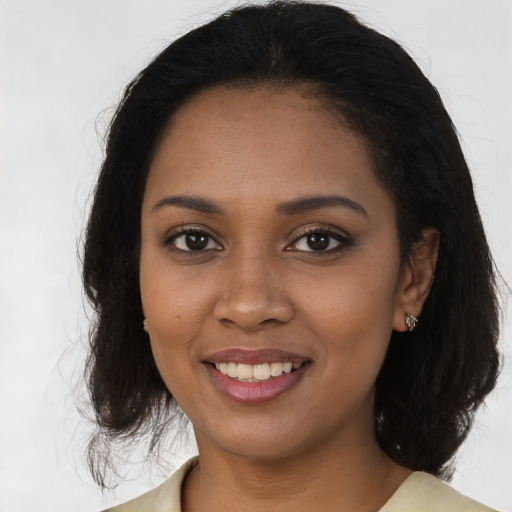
196, 242
318, 242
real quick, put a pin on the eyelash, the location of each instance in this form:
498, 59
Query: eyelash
170, 240
343, 240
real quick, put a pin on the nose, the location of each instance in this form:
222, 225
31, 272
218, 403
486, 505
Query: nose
253, 296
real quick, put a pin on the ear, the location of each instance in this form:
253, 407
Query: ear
144, 321
416, 278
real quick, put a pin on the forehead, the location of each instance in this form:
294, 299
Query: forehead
260, 143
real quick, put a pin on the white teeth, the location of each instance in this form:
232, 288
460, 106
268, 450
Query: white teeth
256, 372
276, 369
244, 371
261, 371
232, 370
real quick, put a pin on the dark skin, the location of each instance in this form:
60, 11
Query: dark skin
263, 265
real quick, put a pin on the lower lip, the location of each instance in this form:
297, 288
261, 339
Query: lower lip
255, 392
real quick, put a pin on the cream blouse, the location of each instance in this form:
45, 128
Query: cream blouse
420, 492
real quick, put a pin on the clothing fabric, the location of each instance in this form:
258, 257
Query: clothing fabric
164, 498
420, 492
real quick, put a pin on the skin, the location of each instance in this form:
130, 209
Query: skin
258, 284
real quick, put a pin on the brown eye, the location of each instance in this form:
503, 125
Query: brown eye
196, 242
318, 241
192, 240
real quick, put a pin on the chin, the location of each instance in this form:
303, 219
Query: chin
263, 440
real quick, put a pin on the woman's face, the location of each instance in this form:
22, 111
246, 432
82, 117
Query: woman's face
267, 240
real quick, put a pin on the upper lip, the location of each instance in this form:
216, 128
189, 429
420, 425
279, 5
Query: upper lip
254, 356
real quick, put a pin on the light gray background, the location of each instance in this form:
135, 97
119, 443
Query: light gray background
64, 62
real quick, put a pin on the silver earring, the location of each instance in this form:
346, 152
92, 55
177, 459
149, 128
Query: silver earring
145, 325
411, 321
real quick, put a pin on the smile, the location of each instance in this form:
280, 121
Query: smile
256, 372
255, 376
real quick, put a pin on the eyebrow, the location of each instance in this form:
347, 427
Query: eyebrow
318, 202
300, 205
197, 203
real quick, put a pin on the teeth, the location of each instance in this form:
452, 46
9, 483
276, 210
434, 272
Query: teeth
256, 372
232, 370
261, 371
244, 371
276, 369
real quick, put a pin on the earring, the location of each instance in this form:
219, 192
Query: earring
411, 321
145, 325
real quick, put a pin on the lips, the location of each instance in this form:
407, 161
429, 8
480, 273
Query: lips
255, 376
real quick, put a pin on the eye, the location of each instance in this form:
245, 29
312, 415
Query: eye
320, 240
191, 240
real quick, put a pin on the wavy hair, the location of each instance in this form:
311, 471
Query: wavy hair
433, 379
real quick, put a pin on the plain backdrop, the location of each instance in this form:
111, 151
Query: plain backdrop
63, 65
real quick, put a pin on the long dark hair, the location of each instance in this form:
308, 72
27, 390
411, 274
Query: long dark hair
433, 379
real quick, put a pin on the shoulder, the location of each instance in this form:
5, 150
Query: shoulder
422, 492
164, 498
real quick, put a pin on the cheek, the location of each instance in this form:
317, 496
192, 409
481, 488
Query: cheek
352, 314
175, 310
171, 299
355, 297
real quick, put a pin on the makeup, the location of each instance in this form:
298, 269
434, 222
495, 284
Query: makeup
255, 376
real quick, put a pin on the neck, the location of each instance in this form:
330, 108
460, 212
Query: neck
334, 477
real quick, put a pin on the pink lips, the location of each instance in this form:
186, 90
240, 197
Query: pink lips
254, 392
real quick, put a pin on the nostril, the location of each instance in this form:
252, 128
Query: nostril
254, 312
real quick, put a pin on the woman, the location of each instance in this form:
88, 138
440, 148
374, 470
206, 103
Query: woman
285, 242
